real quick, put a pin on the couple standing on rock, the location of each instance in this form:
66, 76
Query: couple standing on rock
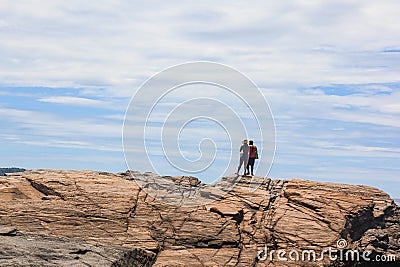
248, 155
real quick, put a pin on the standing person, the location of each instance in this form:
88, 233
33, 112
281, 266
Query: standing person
244, 156
253, 155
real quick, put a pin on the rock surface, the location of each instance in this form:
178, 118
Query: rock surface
110, 214
18, 249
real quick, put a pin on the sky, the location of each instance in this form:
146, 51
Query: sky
328, 69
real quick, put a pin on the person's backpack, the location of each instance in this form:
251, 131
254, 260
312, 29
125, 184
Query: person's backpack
252, 150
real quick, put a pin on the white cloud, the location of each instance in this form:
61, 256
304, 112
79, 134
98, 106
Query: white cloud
379, 109
45, 124
72, 144
118, 44
78, 101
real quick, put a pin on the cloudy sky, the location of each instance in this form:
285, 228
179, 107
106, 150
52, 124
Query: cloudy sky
329, 70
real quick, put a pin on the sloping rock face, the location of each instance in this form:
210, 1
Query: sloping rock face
280, 223
19, 249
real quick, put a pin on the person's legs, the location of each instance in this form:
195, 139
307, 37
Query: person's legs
246, 160
240, 165
251, 165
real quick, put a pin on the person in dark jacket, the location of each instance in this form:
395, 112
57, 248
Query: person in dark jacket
253, 155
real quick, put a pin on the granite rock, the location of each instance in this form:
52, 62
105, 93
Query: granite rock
231, 228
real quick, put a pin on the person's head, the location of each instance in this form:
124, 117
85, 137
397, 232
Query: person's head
251, 142
244, 141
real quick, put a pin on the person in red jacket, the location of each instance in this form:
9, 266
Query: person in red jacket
253, 155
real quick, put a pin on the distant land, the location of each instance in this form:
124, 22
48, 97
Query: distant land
3, 171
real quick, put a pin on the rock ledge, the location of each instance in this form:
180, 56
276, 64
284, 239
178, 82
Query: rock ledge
89, 218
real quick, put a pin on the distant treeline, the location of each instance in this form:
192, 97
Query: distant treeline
3, 171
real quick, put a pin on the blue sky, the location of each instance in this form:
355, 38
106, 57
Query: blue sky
329, 70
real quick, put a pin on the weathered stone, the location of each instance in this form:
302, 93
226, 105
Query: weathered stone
230, 229
38, 250
7, 231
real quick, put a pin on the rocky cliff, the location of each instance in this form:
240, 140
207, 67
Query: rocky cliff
88, 218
